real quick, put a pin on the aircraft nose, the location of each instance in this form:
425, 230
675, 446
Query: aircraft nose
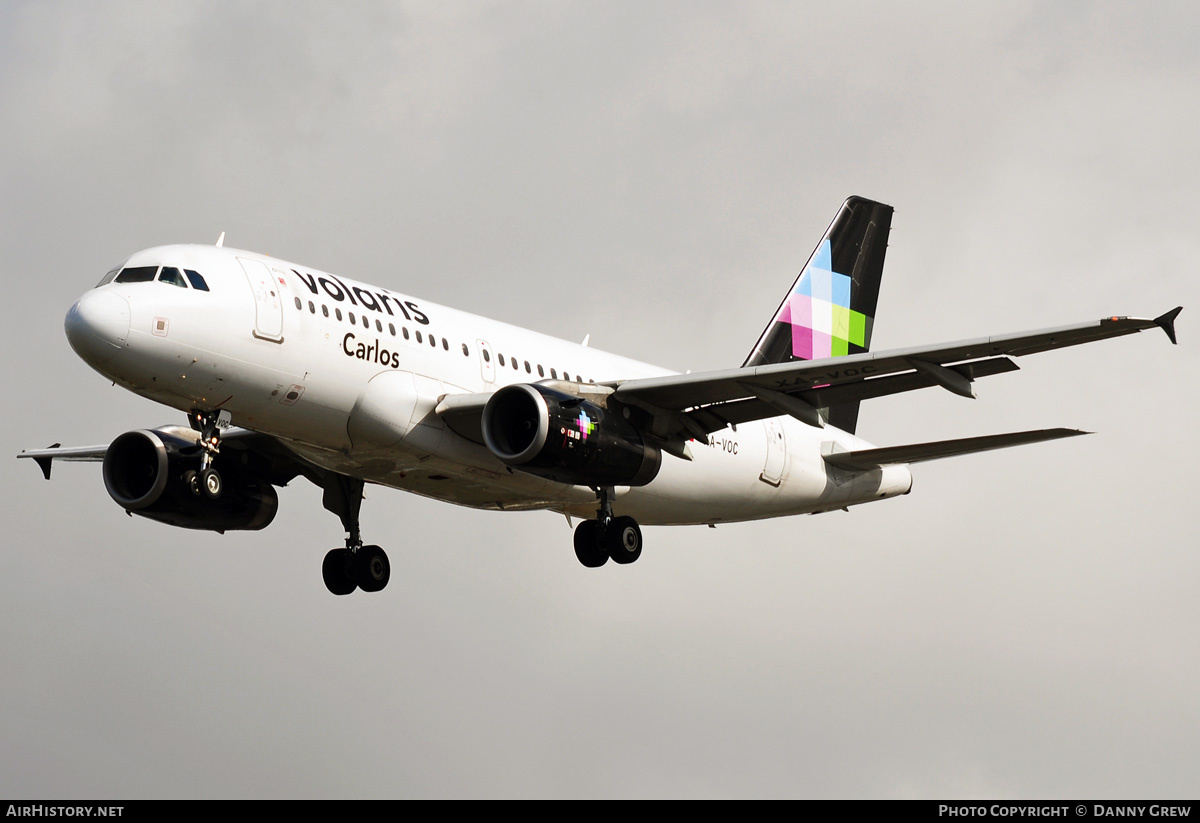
97, 325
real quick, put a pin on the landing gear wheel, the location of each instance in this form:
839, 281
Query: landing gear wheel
623, 539
371, 568
192, 482
337, 571
210, 483
589, 544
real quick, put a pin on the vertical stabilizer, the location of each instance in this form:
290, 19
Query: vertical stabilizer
830, 309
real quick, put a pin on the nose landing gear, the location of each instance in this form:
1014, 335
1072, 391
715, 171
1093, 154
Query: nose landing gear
207, 481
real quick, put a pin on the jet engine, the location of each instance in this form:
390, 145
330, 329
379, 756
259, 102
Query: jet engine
562, 437
149, 472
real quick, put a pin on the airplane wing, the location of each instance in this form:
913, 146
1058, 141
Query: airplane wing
692, 405
233, 437
81, 454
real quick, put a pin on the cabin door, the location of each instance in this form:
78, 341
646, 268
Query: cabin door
268, 318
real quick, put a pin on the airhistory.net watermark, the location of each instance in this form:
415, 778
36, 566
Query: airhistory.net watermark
44, 810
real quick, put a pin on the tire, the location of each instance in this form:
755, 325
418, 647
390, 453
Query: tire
371, 568
211, 483
337, 572
192, 482
589, 544
623, 538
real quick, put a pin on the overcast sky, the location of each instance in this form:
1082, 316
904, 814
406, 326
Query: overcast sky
652, 174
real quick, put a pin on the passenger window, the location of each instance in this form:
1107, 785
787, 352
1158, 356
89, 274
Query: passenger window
366, 322
419, 338
324, 310
541, 372
337, 312
392, 329
196, 280
311, 308
500, 357
527, 369
465, 352
516, 367
433, 341
137, 274
445, 344
553, 374
404, 330
353, 319
299, 305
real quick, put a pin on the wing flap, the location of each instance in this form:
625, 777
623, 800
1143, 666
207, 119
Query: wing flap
868, 459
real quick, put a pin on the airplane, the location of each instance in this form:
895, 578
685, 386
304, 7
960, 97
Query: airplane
285, 371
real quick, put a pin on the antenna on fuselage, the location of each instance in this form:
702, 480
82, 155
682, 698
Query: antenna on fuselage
221, 240
586, 338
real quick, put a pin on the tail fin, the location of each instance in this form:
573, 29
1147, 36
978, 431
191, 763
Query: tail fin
830, 309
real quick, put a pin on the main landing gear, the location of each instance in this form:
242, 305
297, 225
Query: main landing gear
356, 566
207, 481
606, 537
364, 567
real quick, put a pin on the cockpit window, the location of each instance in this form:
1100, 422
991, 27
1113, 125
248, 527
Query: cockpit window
108, 278
173, 276
196, 280
137, 274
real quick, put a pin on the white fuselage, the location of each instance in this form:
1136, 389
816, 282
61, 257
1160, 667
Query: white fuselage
291, 352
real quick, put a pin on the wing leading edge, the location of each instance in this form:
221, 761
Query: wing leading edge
692, 405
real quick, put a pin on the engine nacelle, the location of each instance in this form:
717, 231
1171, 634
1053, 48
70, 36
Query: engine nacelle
561, 437
143, 472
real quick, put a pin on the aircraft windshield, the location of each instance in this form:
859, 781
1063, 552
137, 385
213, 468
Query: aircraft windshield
196, 280
173, 276
108, 278
165, 274
137, 274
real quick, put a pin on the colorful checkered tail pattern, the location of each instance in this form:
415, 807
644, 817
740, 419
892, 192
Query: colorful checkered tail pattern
830, 309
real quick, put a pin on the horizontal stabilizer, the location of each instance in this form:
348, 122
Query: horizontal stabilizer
867, 459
